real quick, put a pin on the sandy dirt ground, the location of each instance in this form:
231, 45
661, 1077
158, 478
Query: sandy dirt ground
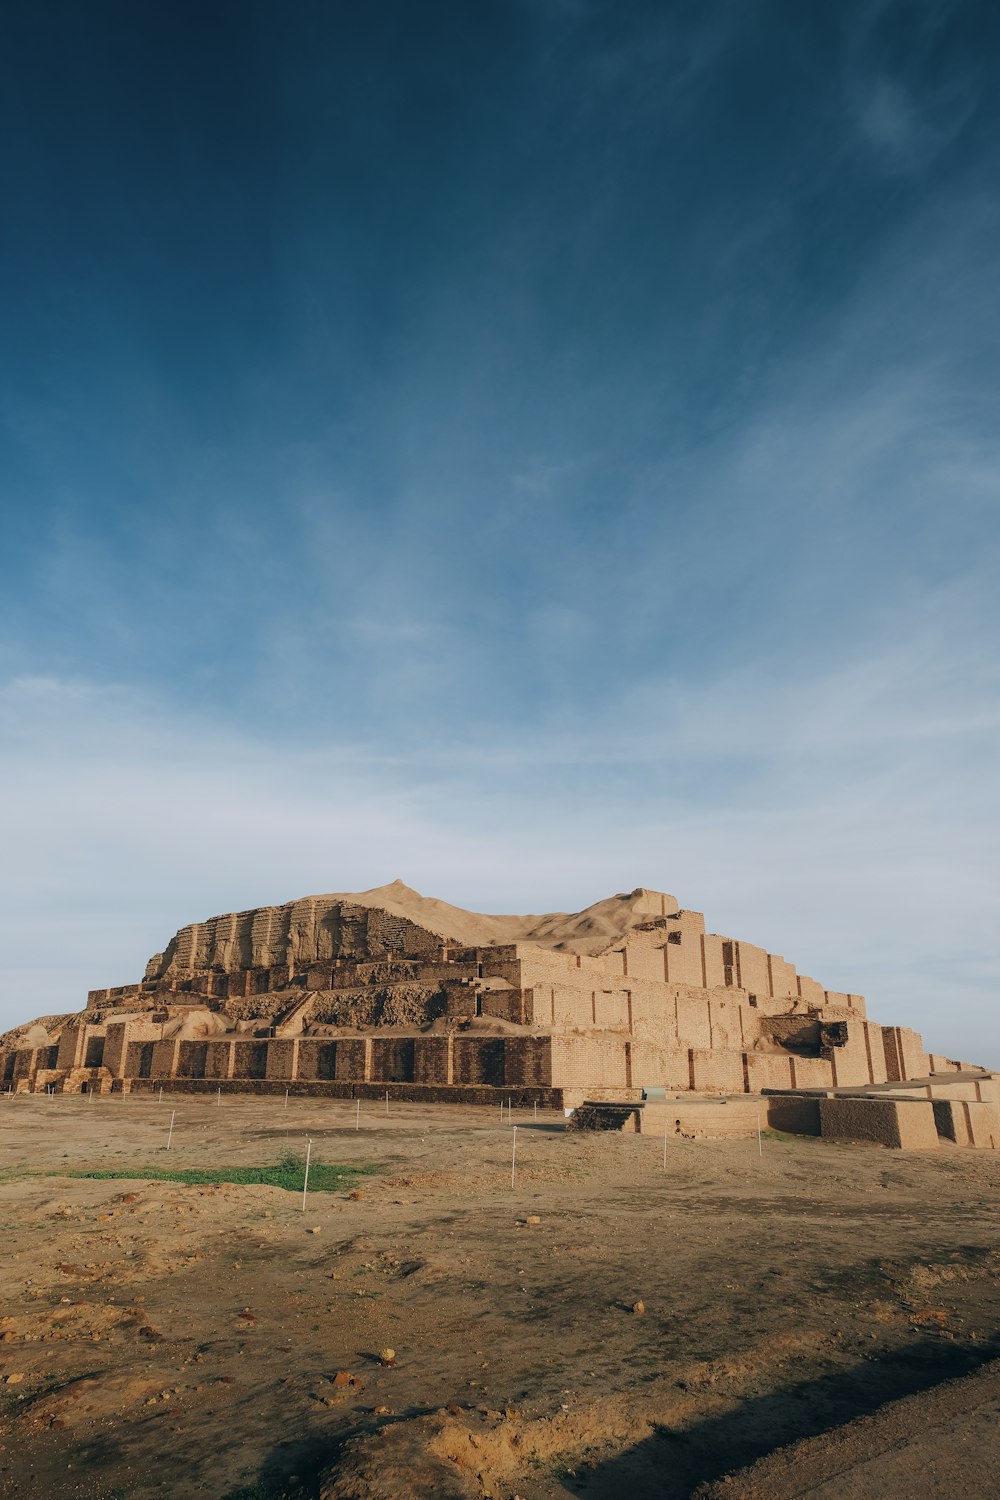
655, 1329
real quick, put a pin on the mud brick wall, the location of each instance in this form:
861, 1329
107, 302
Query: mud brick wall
282, 1058
249, 1060
876, 1051
191, 1059
645, 962
906, 1123
70, 1047
753, 969
893, 1059
353, 1059
752, 1023
138, 1059
802, 1032
725, 1025
708, 1119
715, 1072
615, 1008
538, 966
675, 1070
502, 962
837, 1000
509, 1005
904, 1053
850, 1063
653, 1011
528, 1061
462, 999
967, 1123
569, 1007
385, 933
392, 1059
93, 1050
782, 978
25, 1063
714, 969
694, 1027
971, 1090
115, 1041
165, 1057
432, 1059
558, 1006
797, 1115
114, 996
811, 1073
322, 1059
438, 973
218, 1060
478, 1060
682, 955
298, 934
811, 991
590, 1062
768, 1070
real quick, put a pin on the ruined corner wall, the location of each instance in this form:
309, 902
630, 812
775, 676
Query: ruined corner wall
300, 933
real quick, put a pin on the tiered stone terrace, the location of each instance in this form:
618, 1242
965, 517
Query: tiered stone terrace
382, 992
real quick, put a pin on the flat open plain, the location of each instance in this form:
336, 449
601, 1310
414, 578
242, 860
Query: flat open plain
164, 1339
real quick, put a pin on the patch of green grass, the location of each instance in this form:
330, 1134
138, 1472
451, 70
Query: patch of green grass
289, 1173
15, 1173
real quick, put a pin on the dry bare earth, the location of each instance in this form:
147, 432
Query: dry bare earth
173, 1340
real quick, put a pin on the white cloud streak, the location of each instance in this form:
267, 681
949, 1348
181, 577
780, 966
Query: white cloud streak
856, 835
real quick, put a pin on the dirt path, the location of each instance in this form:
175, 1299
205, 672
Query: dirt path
173, 1340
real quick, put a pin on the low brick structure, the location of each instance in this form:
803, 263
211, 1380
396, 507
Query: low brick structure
889, 1122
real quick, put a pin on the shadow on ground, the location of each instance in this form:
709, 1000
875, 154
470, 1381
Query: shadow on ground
672, 1463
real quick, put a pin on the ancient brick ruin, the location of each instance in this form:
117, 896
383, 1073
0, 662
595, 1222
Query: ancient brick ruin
387, 991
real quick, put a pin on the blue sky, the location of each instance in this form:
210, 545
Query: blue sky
528, 449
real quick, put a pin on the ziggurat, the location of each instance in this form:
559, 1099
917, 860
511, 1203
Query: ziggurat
388, 991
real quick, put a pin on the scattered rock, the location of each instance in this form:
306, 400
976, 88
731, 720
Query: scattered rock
14, 1379
533, 1219
387, 1357
356, 1193
639, 1307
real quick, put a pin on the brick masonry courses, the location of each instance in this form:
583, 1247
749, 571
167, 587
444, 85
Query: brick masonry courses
886, 1122
666, 1005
